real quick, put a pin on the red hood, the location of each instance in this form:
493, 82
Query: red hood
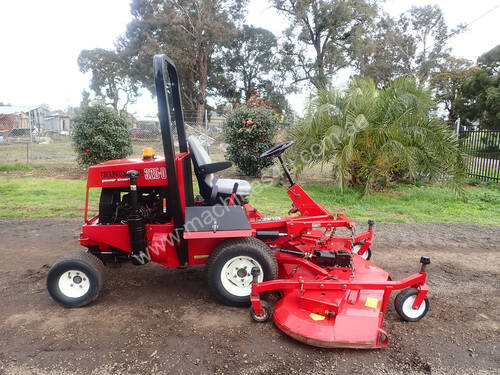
112, 173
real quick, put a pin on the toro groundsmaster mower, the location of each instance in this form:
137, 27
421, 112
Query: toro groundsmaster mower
331, 294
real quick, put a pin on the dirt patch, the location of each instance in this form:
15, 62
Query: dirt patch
156, 320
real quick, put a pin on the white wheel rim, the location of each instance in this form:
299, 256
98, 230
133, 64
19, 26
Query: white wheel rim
356, 248
236, 277
73, 283
408, 309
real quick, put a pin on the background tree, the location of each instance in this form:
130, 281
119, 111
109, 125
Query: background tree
382, 53
480, 99
188, 31
111, 76
414, 45
447, 84
251, 64
99, 133
321, 34
490, 61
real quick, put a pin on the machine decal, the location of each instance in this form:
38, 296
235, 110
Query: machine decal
316, 316
112, 175
201, 256
114, 180
371, 302
155, 173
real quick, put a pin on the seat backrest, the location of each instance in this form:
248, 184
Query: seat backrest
200, 157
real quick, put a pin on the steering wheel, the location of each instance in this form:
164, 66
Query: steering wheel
276, 150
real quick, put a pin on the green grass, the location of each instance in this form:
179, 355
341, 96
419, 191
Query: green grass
51, 197
43, 197
21, 167
404, 204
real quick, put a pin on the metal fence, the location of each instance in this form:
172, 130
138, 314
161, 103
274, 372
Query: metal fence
482, 150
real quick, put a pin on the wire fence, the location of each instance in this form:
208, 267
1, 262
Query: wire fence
22, 142
47, 141
482, 150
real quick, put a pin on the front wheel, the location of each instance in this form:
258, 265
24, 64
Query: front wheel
229, 267
76, 279
404, 305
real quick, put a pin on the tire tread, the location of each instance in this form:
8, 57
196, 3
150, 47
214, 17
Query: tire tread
249, 242
94, 263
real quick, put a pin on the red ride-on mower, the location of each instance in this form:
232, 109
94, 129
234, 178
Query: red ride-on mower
331, 294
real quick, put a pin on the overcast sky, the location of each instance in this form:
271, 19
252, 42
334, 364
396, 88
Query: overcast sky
40, 42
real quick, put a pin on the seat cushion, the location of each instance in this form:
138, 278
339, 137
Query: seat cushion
225, 186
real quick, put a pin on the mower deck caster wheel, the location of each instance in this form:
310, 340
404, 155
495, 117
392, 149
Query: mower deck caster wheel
76, 279
261, 318
366, 255
404, 302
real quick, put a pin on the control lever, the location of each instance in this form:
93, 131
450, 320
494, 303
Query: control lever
233, 194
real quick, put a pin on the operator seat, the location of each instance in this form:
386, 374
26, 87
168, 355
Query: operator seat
204, 170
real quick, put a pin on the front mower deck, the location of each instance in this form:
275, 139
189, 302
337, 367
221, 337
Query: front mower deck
334, 318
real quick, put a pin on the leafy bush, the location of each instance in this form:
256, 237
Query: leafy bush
249, 131
99, 133
376, 137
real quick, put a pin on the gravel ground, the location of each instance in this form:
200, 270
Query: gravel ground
156, 320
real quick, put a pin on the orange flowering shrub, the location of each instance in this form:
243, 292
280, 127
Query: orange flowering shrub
249, 131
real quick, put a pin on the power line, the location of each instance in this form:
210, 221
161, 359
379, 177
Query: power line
482, 15
471, 22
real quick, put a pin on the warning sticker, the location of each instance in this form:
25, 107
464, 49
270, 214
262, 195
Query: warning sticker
316, 316
371, 302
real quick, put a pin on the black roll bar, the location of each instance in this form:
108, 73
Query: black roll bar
162, 64
181, 131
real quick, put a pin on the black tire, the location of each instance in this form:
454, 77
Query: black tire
368, 251
402, 304
89, 275
228, 251
267, 312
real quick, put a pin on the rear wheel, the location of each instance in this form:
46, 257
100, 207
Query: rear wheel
229, 267
404, 305
76, 279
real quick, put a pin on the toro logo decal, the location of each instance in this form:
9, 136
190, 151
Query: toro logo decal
155, 173
113, 176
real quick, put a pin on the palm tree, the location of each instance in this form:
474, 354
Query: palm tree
375, 137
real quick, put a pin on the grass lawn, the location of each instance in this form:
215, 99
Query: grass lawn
404, 204
43, 197
56, 197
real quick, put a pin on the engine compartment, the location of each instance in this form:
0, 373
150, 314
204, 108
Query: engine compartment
115, 205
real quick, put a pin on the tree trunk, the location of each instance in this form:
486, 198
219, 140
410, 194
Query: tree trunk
321, 81
452, 118
203, 77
